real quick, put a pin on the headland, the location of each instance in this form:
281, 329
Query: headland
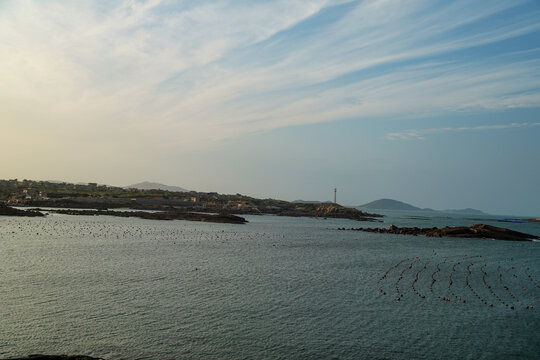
165, 204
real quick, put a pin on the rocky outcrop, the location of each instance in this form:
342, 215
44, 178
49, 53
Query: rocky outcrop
56, 357
328, 210
10, 211
479, 231
161, 215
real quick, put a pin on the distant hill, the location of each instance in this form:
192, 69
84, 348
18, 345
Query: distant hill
146, 185
465, 211
389, 204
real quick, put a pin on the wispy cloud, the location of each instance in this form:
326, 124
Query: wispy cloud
179, 74
422, 133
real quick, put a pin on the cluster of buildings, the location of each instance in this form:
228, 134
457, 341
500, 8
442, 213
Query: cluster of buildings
16, 192
27, 195
51, 193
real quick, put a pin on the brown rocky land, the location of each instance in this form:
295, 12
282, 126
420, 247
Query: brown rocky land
328, 210
478, 231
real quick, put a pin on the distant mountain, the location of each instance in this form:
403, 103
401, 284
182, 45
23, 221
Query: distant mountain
146, 185
389, 204
465, 211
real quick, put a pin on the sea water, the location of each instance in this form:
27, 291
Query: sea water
275, 288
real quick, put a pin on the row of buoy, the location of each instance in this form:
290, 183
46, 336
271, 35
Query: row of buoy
475, 293
451, 282
396, 285
387, 272
468, 284
484, 274
504, 286
524, 288
452, 294
416, 279
406, 269
510, 292
531, 278
433, 280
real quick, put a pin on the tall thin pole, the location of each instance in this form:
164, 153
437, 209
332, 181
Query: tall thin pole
335, 195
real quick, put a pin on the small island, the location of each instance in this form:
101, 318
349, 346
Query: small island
478, 231
390, 204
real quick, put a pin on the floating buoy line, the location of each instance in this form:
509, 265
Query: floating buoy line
470, 280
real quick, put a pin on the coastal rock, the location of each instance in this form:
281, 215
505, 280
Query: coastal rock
328, 210
10, 211
478, 231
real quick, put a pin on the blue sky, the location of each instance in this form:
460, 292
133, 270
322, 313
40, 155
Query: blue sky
435, 103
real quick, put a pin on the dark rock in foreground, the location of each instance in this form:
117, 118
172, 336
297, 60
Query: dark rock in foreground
57, 357
161, 215
478, 231
10, 211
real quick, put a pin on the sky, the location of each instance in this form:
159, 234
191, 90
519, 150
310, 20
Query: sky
435, 103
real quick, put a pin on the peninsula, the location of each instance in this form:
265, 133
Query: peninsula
186, 205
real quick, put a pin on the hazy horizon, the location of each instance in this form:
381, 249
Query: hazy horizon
432, 103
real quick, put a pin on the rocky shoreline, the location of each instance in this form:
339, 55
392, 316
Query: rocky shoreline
160, 215
333, 211
477, 231
10, 211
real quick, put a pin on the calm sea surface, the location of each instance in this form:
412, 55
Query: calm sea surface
275, 288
